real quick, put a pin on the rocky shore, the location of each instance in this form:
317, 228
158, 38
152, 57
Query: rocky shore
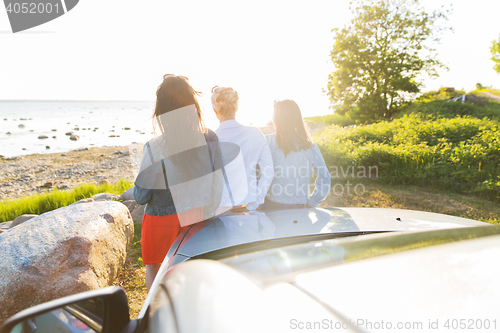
30, 174
36, 173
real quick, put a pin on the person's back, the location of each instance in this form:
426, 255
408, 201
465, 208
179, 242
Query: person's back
241, 173
180, 179
295, 157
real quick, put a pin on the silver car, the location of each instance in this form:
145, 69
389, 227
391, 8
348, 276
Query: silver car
343, 269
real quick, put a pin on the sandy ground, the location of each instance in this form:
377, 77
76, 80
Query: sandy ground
491, 96
29, 174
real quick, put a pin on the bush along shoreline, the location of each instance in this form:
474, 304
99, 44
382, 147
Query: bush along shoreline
433, 143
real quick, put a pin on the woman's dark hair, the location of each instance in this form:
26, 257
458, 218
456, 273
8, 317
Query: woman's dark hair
291, 133
174, 93
182, 130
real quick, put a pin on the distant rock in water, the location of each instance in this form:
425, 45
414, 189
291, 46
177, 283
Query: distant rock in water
42, 137
8, 133
74, 138
54, 130
126, 128
47, 147
63, 252
21, 126
69, 133
54, 137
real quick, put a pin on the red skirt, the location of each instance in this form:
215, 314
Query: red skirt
159, 233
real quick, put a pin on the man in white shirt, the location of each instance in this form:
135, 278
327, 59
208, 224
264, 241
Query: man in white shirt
241, 173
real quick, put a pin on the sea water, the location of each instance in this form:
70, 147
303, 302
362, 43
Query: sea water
97, 124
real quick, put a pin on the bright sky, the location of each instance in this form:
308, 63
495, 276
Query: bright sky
266, 50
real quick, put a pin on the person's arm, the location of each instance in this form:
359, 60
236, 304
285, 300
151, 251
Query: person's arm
217, 179
142, 195
267, 175
142, 188
323, 180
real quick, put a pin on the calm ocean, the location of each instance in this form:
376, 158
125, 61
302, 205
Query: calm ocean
97, 123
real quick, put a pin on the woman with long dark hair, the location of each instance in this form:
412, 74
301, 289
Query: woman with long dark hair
295, 156
180, 179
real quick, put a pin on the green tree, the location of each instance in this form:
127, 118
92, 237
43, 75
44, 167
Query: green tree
495, 52
380, 55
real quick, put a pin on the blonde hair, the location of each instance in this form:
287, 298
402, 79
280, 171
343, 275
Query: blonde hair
225, 100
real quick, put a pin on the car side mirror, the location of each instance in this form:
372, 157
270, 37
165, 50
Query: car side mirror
103, 311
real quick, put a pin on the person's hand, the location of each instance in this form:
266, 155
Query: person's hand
239, 209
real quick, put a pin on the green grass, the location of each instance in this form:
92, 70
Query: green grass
436, 144
331, 119
380, 194
44, 202
132, 276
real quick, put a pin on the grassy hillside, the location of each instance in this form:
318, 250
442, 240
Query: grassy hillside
431, 143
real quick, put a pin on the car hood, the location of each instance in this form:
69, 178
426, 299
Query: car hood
440, 285
250, 227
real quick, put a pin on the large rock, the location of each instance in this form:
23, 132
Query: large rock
62, 252
106, 196
4, 226
138, 213
131, 205
86, 200
128, 194
21, 219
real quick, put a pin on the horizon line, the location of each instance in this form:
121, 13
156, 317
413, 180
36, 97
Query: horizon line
73, 100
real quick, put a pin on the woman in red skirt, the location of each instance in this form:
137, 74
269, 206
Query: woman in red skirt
180, 179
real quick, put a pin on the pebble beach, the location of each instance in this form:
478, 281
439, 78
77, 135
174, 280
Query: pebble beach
31, 174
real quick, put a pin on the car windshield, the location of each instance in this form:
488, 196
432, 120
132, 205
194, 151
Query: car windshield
278, 264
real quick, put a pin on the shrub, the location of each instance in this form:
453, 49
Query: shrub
460, 153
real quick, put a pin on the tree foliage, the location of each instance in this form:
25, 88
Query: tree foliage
380, 55
495, 52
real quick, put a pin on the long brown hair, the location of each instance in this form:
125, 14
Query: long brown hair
291, 132
174, 93
180, 130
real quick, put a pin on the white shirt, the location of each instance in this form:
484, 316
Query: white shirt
243, 178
